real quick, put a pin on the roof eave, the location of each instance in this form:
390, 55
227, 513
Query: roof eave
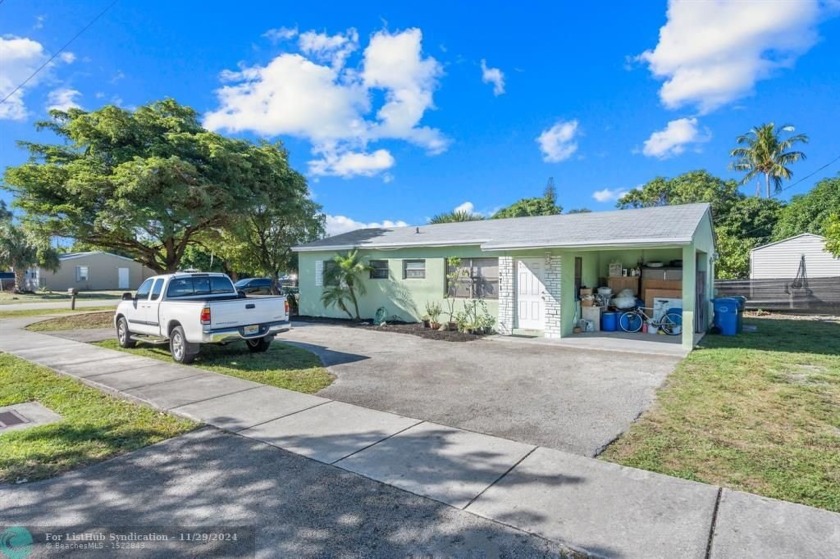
592, 245
385, 246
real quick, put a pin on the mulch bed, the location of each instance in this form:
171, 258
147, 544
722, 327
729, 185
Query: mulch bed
412, 328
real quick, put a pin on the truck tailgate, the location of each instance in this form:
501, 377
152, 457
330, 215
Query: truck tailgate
245, 312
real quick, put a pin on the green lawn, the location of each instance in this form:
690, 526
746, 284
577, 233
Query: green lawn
42, 312
759, 412
283, 365
95, 426
84, 321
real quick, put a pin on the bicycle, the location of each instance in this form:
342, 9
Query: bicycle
632, 321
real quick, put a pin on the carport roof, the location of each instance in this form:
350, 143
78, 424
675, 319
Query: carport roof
655, 226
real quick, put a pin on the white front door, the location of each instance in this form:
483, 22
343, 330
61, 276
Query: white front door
529, 294
123, 282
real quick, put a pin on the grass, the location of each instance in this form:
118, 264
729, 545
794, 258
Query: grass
759, 412
8, 298
283, 365
42, 312
85, 321
95, 426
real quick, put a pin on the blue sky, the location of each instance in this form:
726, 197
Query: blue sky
399, 112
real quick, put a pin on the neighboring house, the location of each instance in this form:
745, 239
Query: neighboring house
91, 271
527, 269
784, 259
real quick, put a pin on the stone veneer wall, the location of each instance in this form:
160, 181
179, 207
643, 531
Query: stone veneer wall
507, 295
553, 281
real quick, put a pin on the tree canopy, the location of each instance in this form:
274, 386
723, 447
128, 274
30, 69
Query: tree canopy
810, 212
147, 183
762, 152
455, 216
741, 223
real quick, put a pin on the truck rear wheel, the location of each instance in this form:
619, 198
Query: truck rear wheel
182, 351
123, 335
259, 345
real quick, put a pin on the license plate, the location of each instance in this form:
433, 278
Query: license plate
251, 330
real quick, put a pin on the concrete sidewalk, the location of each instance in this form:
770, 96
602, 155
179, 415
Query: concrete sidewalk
586, 504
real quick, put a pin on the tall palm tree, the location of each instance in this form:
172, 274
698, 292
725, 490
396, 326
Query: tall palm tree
343, 282
20, 250
455, 216
762, 151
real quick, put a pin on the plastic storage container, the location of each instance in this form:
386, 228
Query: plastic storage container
742, 303
609, 321
726, 315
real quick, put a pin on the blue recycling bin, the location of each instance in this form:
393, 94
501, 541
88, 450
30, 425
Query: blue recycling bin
742, 303
726, 315
609, 321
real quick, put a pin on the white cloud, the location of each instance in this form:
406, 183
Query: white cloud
338, 224
494, 76
63, 99
315, 94
467, 207
558, 142
674, 138
712, 53
20, 57
329, 48
281, 34
609, 195
350, 164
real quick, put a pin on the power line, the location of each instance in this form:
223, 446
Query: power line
829, 164
59, 51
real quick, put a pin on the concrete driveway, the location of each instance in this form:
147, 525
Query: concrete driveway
568, 399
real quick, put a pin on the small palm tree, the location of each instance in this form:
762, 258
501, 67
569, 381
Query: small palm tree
20, 250
343, 282
763, 152
455, 216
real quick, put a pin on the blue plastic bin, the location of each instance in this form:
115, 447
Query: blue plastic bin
609, 321
726, 315
742, 303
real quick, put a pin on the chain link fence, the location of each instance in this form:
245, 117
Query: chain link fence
809, 295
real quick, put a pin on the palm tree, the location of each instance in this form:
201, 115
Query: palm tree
20, 250
342, 282
763, 152
455, 216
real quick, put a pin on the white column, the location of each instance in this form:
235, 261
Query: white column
553, 282
507, 295
689, 294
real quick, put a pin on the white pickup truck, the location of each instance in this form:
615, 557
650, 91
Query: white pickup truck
189, 309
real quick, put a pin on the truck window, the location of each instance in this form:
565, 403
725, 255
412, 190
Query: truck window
144, 289
156, 289
197, 286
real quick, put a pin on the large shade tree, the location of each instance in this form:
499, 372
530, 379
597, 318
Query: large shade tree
146, 183
762, 152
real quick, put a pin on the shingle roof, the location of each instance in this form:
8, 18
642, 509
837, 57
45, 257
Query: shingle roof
646, 226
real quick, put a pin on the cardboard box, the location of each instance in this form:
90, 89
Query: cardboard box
651, 294
618, 284
673, 285
593, 314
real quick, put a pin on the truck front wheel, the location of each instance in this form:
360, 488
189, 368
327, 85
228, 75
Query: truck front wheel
182, 351
123, 335
259, 345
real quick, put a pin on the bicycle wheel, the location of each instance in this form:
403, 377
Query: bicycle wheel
671, 323
630, 321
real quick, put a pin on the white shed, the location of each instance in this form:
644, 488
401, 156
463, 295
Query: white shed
781, 260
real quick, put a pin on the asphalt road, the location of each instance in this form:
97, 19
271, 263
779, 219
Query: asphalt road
297, 507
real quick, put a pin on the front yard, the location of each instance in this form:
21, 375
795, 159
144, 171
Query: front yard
759, 412
95, 426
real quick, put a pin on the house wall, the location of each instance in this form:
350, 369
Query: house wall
102, 273
405, 298
781, 260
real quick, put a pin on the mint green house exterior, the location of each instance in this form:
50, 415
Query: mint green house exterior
525, 269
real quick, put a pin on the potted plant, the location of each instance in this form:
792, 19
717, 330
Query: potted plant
433, 312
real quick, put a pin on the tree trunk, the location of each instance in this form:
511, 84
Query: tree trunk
767, 183
20, 279
352, 291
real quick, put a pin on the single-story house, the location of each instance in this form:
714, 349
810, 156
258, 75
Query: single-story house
528, 269
785, 259
90, 271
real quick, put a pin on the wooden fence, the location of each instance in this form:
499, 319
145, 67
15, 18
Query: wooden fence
817, 295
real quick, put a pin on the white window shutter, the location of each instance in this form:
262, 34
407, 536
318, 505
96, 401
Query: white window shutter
319, 273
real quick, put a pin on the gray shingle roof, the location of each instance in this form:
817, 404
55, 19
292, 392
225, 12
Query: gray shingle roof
646, 226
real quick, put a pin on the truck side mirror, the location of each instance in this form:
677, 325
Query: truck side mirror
241, 294
127, 296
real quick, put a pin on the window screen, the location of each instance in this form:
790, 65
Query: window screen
414, 269
378, 269
478, 278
